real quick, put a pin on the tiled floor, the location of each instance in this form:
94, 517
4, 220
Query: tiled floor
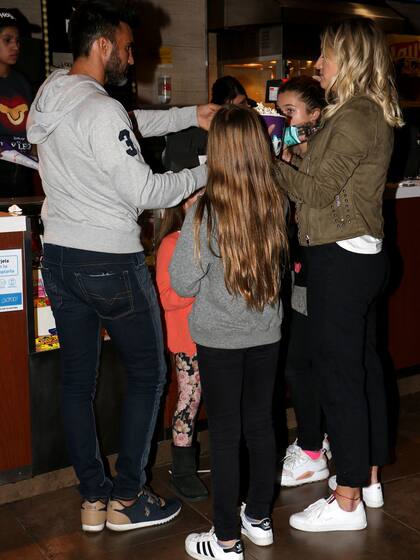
48, 527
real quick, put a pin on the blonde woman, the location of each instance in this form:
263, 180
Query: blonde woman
228, 257
338, 189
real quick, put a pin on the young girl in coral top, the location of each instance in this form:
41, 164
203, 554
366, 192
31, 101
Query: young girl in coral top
184, 477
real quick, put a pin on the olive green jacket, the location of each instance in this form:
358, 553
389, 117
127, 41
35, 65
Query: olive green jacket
339, 184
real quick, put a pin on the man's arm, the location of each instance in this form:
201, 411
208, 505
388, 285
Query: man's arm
159, 123
117, 153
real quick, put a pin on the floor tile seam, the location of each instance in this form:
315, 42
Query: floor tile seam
198, 528
204, 516
402, 477
400, 522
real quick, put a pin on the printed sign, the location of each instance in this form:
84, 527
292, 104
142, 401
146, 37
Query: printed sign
11, 281
405, 50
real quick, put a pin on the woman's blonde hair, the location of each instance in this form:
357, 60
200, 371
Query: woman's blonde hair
245, 207
365, 67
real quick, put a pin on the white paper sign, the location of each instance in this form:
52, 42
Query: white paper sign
11, 280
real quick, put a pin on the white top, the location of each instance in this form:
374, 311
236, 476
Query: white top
364, 244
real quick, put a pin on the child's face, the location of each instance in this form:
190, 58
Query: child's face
9, 45
295, 109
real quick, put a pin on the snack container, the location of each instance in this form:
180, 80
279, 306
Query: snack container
276, 133
279, 122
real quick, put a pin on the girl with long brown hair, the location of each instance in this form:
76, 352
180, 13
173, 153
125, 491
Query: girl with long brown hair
229, 256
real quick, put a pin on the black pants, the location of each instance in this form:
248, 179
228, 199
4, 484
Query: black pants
303, 388
343, 288
238, 393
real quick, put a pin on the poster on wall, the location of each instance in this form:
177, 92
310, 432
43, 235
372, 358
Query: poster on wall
11, 280
405, 50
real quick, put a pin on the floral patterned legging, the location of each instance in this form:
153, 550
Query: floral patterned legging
189, 395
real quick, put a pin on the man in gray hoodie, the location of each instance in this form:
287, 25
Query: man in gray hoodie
96, 184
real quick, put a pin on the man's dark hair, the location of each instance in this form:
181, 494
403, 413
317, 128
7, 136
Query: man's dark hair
225, 89
309, 90
92, 19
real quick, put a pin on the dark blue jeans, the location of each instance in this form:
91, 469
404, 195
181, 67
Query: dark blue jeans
89, 290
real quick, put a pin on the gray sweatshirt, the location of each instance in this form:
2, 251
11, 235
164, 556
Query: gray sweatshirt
93, 174
218, 319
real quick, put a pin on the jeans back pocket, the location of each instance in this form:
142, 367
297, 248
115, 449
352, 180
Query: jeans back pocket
109, 293
50, 278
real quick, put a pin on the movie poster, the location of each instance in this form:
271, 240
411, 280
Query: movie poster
405, 50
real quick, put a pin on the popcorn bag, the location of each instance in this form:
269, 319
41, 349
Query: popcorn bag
276, 125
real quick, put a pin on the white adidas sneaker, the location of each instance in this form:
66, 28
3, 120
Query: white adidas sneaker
299, 468
260, 533
326, 515
204, 546
372, 494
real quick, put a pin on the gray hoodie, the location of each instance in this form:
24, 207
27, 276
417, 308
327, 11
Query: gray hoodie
218, 319
93, 174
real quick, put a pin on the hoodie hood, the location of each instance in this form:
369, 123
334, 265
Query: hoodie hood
57, 97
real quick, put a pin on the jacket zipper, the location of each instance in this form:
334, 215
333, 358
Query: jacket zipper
307, 238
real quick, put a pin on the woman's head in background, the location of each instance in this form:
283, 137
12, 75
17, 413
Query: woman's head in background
227, 90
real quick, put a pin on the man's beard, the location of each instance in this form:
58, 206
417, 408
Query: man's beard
115, 74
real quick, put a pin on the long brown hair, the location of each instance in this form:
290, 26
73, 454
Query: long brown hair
245, 207
171, 221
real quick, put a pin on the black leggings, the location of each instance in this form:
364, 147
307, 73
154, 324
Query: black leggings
343, 288
238, 390
303, 388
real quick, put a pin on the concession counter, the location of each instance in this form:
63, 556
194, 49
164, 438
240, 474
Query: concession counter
31, 434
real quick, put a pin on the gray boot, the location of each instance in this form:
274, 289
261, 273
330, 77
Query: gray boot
184, 478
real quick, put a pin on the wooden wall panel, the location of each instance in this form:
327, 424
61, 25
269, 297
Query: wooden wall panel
403, 224
15, 424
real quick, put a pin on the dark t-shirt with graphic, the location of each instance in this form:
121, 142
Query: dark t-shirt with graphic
15, 100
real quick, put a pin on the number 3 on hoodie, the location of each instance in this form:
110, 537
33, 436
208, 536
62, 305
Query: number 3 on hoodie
124, 136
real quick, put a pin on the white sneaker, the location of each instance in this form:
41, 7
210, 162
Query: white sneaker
260, 533
326, 515
372, 495
326, 447
204, 546
299, 468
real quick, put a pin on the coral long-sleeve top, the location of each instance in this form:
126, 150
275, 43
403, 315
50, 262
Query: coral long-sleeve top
176, 308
